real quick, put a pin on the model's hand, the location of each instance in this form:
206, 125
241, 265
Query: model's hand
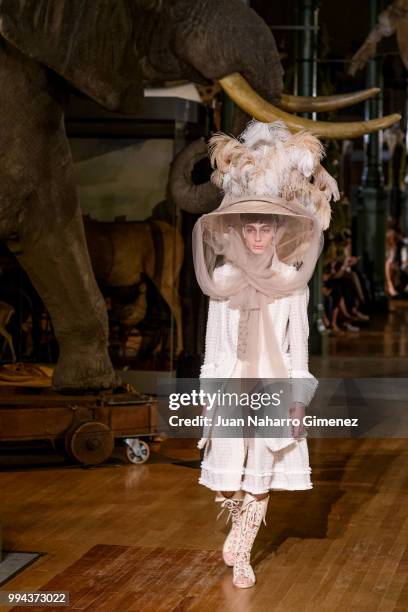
297, 411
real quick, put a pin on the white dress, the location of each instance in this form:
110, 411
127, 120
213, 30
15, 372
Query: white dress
233, 464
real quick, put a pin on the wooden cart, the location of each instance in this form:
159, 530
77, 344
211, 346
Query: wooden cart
85, 426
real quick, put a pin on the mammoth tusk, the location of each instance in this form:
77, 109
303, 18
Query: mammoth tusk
249, 101
320, 104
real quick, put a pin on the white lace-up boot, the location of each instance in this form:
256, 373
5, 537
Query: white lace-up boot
231, 543
252, 514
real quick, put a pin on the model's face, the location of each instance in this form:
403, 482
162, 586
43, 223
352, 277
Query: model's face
257, 236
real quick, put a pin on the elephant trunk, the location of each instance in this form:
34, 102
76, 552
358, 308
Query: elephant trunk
193, 197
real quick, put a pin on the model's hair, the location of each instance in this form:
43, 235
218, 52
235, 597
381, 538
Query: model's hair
257, 218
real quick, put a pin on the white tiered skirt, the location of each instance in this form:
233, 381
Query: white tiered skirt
249, 464
255, 465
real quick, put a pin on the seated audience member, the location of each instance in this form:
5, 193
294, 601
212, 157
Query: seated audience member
343, 295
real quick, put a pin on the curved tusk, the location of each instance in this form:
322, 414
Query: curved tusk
320, 104
249, 101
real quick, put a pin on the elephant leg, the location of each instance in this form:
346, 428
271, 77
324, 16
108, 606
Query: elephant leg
55, 256
41, 223
172, 299
167, 282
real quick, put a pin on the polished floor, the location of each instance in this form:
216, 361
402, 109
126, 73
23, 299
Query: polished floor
145, 537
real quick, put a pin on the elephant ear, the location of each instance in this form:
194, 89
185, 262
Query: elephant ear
90, 44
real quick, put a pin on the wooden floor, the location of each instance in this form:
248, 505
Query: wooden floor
145, 538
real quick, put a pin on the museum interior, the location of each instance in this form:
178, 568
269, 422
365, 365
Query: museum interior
108, 111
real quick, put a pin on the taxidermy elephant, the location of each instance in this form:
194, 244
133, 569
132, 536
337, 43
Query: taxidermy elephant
103, 49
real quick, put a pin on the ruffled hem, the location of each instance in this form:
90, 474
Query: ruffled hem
274, 444
219, 484
219, 480
297, 480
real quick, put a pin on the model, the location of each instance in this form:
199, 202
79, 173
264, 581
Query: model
254, 257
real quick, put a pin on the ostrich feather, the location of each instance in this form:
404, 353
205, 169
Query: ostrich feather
266, 159
326, 183
257, 133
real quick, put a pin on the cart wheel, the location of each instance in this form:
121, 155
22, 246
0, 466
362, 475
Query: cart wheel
137, 451
90, 443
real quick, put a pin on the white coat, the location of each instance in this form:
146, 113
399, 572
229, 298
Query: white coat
290, 469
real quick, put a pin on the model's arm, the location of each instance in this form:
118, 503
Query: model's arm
212, 339
303, 390
213, 344
211, 357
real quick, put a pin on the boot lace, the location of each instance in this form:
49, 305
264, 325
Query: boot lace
232, 506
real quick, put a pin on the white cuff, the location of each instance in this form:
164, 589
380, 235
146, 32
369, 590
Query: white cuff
304, 386
207, 371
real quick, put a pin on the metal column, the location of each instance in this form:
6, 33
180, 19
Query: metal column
306, 85
372, 205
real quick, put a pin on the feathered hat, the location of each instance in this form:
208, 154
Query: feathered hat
268, 160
